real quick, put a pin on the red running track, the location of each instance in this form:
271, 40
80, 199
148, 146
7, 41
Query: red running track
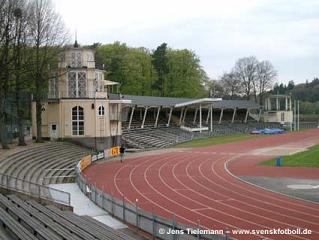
200, 184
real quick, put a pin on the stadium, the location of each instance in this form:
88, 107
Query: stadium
77, 186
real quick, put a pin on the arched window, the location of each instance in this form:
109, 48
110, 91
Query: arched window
77, 121
101, 111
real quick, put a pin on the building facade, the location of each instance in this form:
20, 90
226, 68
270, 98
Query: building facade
278, 108
78, 108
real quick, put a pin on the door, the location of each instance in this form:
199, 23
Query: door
54, 133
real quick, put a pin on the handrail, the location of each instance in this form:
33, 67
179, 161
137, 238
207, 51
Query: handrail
34, 189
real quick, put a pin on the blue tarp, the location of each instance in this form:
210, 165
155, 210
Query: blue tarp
268, 131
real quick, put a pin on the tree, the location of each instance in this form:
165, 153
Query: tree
265, 77
112, 56
160, 63
231, 84
20, 65
290, 85
7, 37
245, 71
48, 35
137, 72
185, 77
214, 88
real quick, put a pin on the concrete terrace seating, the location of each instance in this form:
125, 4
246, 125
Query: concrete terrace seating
34, 164
30, 220
154, 137
161, 137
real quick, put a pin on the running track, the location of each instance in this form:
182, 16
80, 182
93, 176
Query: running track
200, 185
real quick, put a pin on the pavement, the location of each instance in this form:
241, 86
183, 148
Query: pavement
84, 206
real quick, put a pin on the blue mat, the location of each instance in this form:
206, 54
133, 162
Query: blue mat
268, 131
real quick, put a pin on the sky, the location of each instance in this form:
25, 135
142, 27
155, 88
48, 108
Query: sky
284, 32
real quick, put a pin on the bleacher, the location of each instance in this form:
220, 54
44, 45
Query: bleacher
28, 220
161, 137
43, 164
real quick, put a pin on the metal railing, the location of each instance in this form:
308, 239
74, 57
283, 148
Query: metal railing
34, 189
134, 215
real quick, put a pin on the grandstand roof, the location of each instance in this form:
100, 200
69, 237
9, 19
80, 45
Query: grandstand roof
148, 101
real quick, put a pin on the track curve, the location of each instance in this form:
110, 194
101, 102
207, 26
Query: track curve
200, 185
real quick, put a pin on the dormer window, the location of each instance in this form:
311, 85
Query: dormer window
101, 111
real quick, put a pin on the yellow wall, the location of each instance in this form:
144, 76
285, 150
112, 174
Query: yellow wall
61, 114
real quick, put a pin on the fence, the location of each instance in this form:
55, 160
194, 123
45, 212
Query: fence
132, 214
34, 189
307, 125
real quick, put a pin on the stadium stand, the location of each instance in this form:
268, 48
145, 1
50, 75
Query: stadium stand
158, 122
161, 137
28, 220
41, 164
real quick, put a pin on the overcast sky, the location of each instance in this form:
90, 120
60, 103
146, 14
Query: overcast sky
285, 32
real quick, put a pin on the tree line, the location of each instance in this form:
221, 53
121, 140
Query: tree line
31, 36
249, 79
164, 72
307, 93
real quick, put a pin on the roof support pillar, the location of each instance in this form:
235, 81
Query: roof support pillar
195, 115
169, 116
181, 116
131, 117
157, 115
185, 112
259, 115
200, 117
144, 117
246, 117
234, 114
277, 103
269, 105
286, 103
208, 114
211, 118
221, 116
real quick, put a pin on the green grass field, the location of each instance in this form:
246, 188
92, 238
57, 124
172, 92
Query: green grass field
204, 142
309, 158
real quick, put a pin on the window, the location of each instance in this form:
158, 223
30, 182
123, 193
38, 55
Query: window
98, 84
53, 86
90, 57
81, 84
101, 111
77, 121
77, 84
76, 59
62, 57
282, 117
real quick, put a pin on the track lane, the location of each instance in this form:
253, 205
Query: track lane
194, 184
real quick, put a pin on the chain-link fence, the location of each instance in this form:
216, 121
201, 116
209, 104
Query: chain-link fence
34, 190
147, 221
